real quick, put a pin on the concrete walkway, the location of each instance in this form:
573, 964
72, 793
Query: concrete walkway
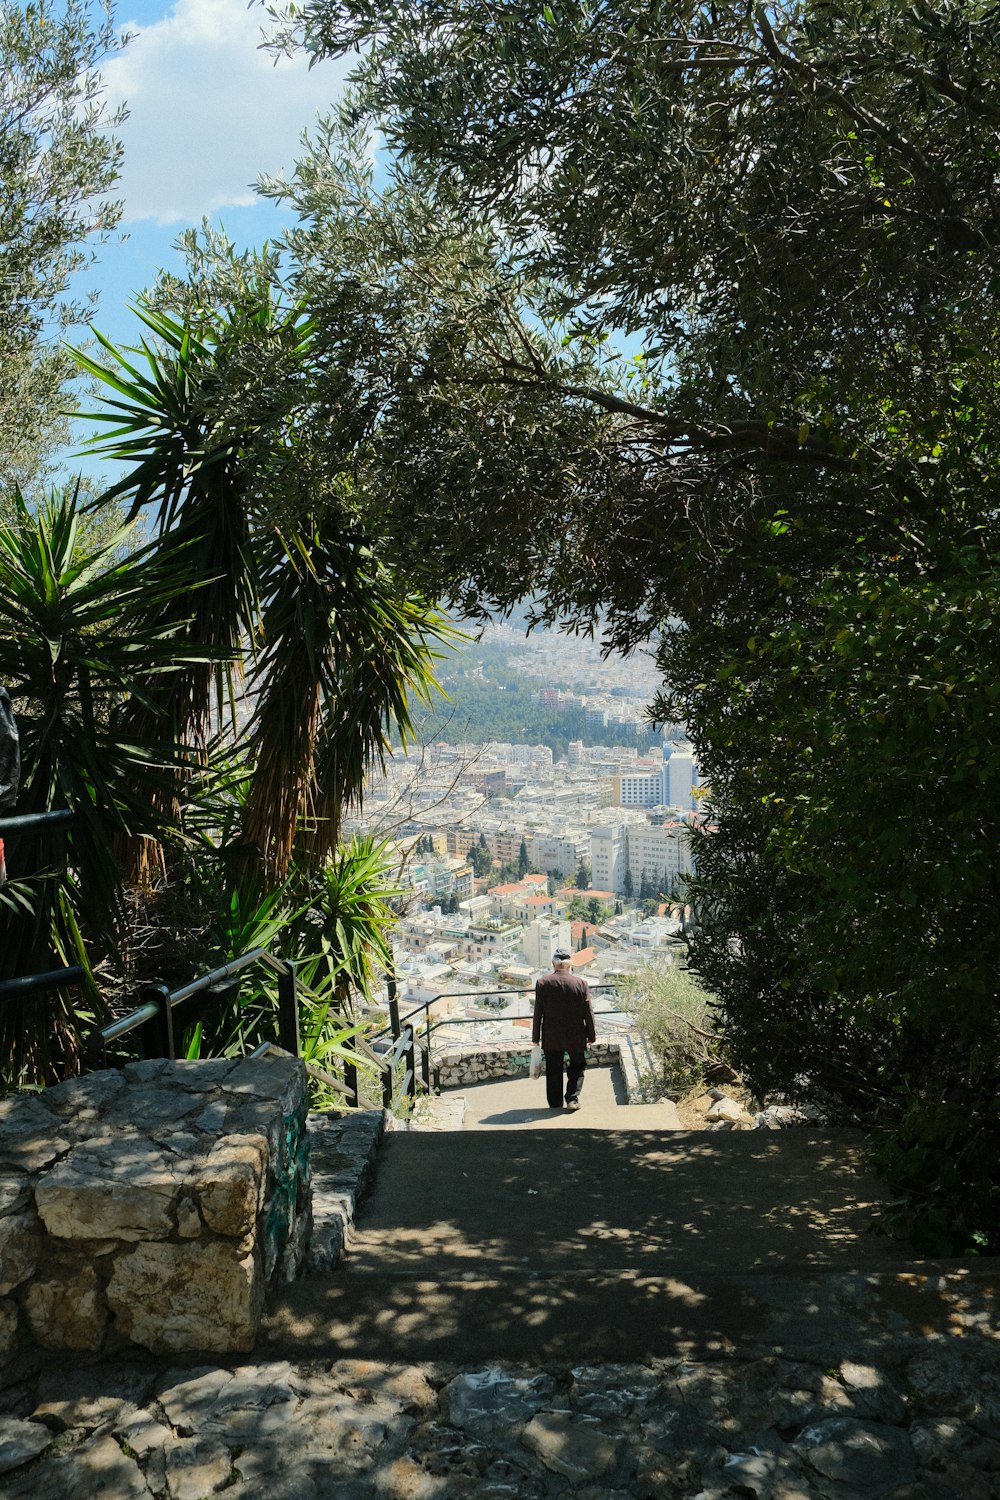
519, 1103
610, 1245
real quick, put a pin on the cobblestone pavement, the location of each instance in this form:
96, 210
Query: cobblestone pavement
923, 1423
913, 1414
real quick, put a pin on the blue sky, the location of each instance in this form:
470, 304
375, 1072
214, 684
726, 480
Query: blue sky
208, 111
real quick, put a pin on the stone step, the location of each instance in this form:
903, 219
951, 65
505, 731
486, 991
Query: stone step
821, 1315
605, 1245
660, 1201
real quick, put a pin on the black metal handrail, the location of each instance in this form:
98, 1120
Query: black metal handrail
155, 1016
33, 984
23, 821
52, 979
424, 1005
399, 1024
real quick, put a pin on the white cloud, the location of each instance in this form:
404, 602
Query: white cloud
208, 110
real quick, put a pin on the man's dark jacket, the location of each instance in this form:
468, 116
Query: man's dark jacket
564, 1020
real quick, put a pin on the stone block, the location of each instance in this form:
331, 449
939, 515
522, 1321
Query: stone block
482, 1401
88, 1413
860, 1456
196, 1467
94, 1092
15, 1194
68, 1312
142, 1433
93, 1470
212, 1118
123, 1189
188, 1219
726, 1110
175, 1298
144, 1110
145, 1072
20, 1245
30, 1138
577, 1450
20, 1442
197, 1077
281, 1080
230, 1185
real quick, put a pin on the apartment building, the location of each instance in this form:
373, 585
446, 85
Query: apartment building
560, 853
541, 939
670, 785
660, 854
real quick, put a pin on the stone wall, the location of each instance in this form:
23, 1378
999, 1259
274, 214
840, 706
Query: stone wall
455, 1066
152, 1206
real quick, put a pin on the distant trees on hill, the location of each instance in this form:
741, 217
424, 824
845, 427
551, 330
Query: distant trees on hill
499, 705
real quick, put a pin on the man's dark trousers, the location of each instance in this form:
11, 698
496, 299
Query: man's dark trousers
554, 1077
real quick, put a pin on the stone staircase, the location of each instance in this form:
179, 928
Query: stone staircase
605, 1245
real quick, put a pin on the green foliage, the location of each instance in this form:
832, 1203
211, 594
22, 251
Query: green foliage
793, 211
675, 1015
487, 699
334, 646
75, 644
58, 162
334, 924
123, 670
858, 869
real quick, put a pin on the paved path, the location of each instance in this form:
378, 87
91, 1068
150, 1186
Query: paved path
514, 1103
608, 1245
597, 1315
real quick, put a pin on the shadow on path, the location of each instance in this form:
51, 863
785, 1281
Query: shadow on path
617, 1246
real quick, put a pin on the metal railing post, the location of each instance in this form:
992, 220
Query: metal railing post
426, 1049
158, 1032
394, 1017
387, 1088
288, 1010
411, 1061
351, 1079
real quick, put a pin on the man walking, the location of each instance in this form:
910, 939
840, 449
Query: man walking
563, 1023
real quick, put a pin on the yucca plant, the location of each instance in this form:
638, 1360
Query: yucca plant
185, 465
332, 643
334, 926
82, 635
345, 652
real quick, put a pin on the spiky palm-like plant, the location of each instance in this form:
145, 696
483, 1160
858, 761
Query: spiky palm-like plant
332, 643
83, 633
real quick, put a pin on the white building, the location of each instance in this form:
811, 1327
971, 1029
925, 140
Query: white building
542, 938
670, 786
680, 776
608, 857
557, 852
639, 788
660, 854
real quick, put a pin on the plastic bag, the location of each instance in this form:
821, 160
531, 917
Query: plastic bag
537, 1062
